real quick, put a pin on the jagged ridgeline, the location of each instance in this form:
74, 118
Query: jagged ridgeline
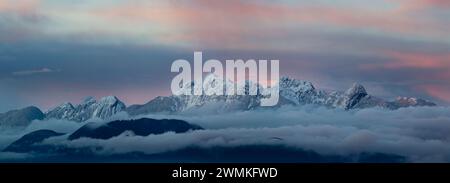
89, 108
292, 92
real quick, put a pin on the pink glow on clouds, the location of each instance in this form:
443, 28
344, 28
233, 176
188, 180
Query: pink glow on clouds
231, 23
412, 60
68, 93
218, 24
418, 60
237, 24
438, 91
198, 22
437, 65
414, 5
19, 6
434, 2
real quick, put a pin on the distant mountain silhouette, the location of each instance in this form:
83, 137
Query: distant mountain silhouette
20, 117
26, 143
140, 127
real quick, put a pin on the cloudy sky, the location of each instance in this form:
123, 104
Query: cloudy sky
52, 51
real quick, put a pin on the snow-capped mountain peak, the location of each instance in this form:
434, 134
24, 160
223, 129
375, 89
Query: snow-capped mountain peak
65, 105
109, 100
296, 85
354, 95
356, 89
298, 91
89, 100
88, 109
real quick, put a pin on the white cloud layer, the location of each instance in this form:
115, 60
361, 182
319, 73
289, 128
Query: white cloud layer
420, 134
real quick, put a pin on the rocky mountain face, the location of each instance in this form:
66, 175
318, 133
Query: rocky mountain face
90, 108
20, 117
292, 92
204, 103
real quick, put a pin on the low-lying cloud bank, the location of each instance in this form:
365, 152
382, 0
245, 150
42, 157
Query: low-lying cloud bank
420, 134
9, 135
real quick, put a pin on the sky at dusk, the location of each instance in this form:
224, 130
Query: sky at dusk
53, 51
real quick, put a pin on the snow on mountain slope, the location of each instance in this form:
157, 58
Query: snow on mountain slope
88, 109
292, 92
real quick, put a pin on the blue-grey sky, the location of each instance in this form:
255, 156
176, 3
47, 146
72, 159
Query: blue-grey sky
56, 51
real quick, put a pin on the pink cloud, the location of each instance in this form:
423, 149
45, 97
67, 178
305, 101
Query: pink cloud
199, 21
438, 3
22, 7
231, 23
53, 93
412, 60
438, 91
414, 5
434, 75
419, 60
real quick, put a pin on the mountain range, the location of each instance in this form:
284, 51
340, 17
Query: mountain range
97, 130
88, 109
292, 92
